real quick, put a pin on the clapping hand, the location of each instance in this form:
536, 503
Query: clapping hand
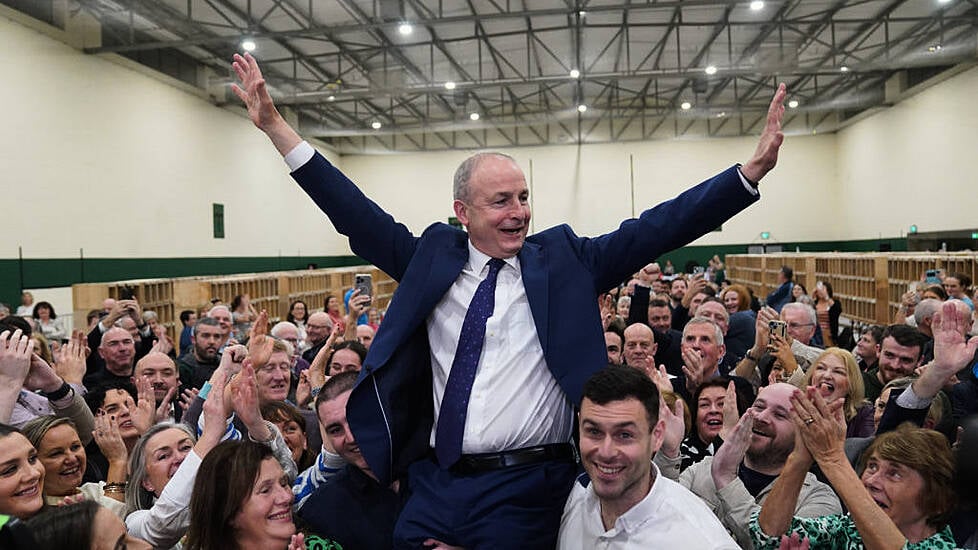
728, 457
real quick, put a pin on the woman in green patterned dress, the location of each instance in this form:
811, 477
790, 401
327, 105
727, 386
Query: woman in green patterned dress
901, 499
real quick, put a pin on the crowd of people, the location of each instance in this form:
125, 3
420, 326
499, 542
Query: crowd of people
483, 410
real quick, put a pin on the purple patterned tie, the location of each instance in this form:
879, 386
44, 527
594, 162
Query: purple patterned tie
455, 402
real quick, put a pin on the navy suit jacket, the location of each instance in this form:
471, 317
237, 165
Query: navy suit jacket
391, 408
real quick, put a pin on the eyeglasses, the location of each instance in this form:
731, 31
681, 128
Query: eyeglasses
799, 325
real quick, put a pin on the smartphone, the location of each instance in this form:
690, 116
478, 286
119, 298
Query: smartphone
126, 293
364, 283
819, 285
699, 270
931, 277
778, 327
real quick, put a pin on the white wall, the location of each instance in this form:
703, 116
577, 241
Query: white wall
99, 156
913, 164
589, 187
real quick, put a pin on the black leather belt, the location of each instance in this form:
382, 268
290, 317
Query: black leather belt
484, 462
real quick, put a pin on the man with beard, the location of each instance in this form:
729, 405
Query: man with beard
736, 480
159, 369
197, 365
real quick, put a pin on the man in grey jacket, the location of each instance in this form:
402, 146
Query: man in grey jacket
736, 480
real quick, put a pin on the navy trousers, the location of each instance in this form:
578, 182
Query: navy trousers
517, 507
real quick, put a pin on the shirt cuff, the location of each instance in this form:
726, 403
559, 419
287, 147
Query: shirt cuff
910, 400
300, 155
747, 184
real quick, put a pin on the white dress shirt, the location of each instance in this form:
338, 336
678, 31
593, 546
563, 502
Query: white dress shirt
515, 400
668, 517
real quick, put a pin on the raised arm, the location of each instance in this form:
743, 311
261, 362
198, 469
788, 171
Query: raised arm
261, 109
766, 154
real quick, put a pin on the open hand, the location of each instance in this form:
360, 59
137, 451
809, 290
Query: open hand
766, 154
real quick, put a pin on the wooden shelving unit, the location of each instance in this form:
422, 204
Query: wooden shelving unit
869, 285
272, 291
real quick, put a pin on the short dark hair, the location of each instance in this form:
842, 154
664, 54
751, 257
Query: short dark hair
71, 526
95, 397
616, 329
14, 322
185, 316
939, 290
788, 273
906, 336
207, 322
876, 332
961, 277
617, 383
224, 481
39, 305
658, 302
336, 385
354, 346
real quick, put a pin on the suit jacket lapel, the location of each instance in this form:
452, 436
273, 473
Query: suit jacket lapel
533, 267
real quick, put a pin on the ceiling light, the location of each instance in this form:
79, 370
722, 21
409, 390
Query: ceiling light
935, 48
449, 85
405, 29
943, 1
686, 105
331, 98
581, 108
844, 69
582, 13
248, 45
711, 69
793, 103
375, 125
721, 114
756, 5
474, 116
575, 73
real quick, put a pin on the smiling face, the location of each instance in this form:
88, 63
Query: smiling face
265, 518
63, 456
830, 376
709, 413
273, 378
867, 348
165, 452
617, 444
896, 360
897, 489
495, 210
21, 477
299, 311
773, 438
731, 300
332, 417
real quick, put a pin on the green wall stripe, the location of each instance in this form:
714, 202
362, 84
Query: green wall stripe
58, 272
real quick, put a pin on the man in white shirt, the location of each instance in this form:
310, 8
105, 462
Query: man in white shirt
626, 503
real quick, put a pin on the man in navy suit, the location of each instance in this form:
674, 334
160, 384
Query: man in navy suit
541, 342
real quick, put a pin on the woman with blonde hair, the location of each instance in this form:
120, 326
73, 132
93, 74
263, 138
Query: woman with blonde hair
835, 375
